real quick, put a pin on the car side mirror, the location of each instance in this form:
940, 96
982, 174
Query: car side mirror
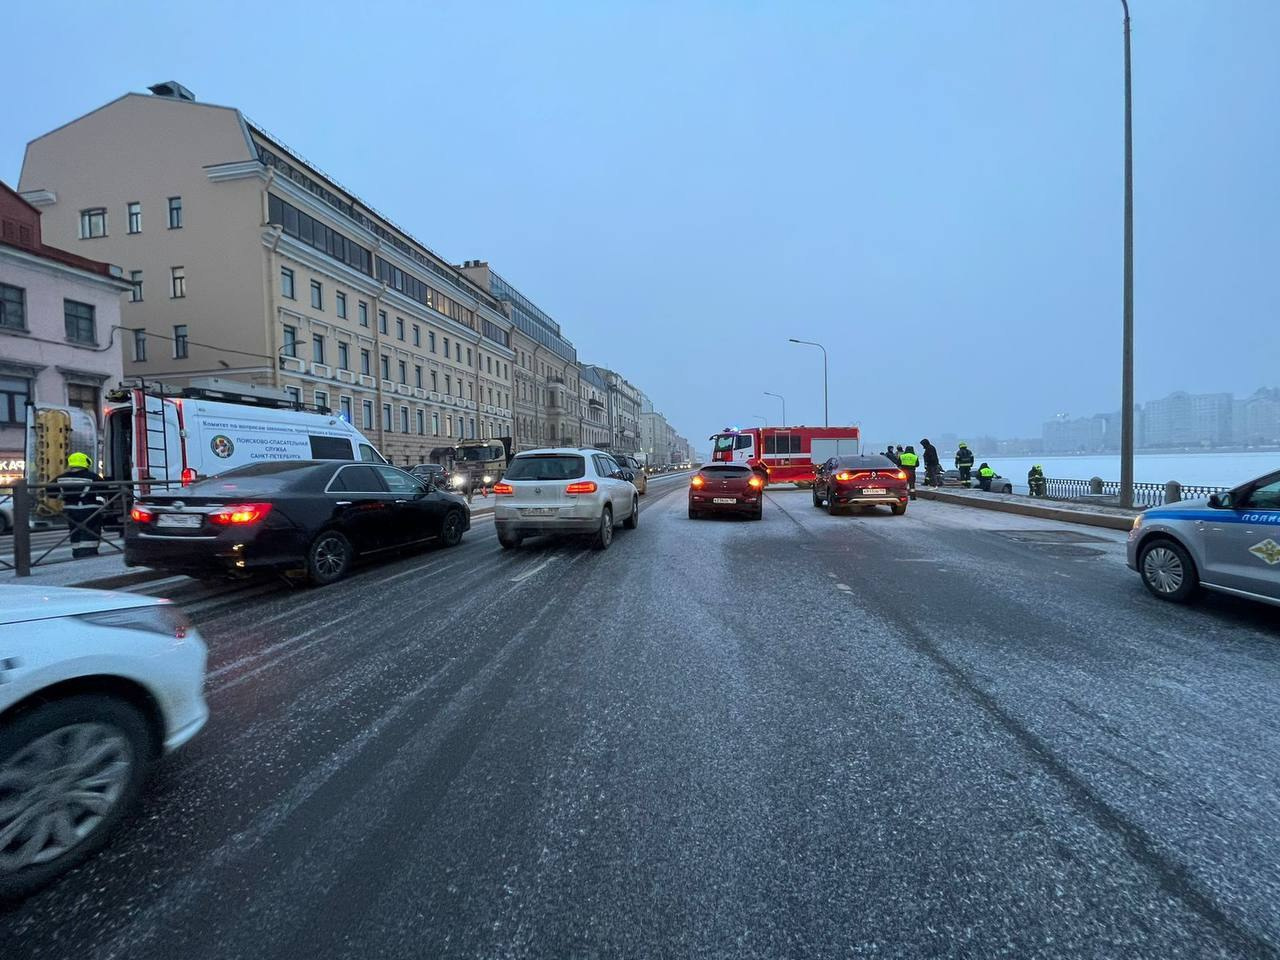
628, 475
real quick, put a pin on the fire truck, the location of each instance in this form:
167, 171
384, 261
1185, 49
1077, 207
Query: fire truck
784, 454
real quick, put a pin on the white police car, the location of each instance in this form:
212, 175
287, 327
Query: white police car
1230, 543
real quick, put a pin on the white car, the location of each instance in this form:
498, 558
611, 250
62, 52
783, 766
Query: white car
564, 490
94, 686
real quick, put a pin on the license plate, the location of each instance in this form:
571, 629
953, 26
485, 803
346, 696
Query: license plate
538, 512
723, 500
186, 521
874, 491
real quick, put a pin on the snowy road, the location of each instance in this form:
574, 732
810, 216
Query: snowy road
953, 733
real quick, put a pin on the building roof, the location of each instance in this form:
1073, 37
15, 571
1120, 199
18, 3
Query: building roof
20, 229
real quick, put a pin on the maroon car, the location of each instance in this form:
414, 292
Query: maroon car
732, 488
862, 481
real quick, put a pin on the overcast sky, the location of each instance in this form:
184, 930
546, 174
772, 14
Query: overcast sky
932, 189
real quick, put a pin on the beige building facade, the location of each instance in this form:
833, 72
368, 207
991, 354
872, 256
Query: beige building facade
249, 264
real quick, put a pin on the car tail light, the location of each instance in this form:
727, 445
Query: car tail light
755, 483
188, 476
901, 474
844, 475
582, 486
503, 489
139, 515
698, 481
240, 513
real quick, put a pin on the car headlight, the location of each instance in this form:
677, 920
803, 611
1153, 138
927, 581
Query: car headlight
161, 618
1137, 522
458, 479
488, 479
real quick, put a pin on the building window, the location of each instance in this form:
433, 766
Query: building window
93, 222
178, 282
431, 340
471, 428
79, 320
399, 328
457, 350
422, 422
386, 417
13, 307
286, 283
295, 394
344, 355
417, 335
404, 372
139, 345
322, 399
435, 383
362, 313
340, 304
448, 426
364, 363
135, 217
468, 356
317, 295
404, 419
435, 424
180, 341
135, 278
317, 348
175, 213
366, 413
344, 408
15, 393
384, 366
448, 385
446, 348
382, 321
488, 363
417, 376
290, 348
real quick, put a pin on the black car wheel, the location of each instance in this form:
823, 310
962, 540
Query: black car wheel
509, 541
759, 514
633, 521
898, 509
817, 500
694, 514
604, 536
69, 770
1168, 571
831, 505
329, 558
451, 529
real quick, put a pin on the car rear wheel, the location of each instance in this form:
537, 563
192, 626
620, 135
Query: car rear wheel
898, 509
694, 514
831, 505
451, 529
758, 514
604, 536
329, 558
633, 520
69, 770
1168, 571
509, 541
817, 500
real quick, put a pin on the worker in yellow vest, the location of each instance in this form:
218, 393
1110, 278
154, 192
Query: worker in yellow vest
909, 461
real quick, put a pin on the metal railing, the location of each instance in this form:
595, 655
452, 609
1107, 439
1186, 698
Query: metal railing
1144, 494
100, 524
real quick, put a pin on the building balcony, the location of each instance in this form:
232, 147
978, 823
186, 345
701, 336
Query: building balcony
366, 380
321, 370
292, 364
346, 376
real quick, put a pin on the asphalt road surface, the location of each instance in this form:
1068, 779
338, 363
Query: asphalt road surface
950, 734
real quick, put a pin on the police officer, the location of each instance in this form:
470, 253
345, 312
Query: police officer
77, 488
985, 473
909, 461
964, 462
1036, 483
932, 465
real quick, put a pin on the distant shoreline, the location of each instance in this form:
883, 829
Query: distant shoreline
1155, 451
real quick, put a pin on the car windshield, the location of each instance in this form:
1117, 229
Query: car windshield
725, 442
726, 469
478, 453
546, 466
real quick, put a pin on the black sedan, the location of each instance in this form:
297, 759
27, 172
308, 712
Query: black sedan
309, 518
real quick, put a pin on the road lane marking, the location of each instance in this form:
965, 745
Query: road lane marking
843, 586
529, 573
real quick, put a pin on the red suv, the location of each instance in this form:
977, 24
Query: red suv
726, 488
860, 482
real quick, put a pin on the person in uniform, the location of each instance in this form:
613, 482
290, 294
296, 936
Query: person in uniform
909, 461
1036, 483
964, 462
77, 488
985, 473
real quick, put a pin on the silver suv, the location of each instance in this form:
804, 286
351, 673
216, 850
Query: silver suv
564, 490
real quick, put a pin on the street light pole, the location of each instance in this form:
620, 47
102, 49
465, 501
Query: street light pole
826, 420
1126, 389
784, 404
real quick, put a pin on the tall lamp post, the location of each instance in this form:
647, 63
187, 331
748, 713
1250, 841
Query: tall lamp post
784, 404
825, 418
1126, 389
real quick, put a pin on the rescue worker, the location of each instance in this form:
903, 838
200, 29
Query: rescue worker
888, 452
964, 462
81, 504
1036, 483
932, 465
985, 473
909, 461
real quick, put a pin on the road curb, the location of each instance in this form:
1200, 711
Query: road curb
1107, 520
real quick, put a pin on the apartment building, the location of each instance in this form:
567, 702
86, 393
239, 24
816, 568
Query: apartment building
546, 385
59, 328
622, 410
594, 400
249, 263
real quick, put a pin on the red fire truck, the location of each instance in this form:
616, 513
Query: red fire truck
784, 454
